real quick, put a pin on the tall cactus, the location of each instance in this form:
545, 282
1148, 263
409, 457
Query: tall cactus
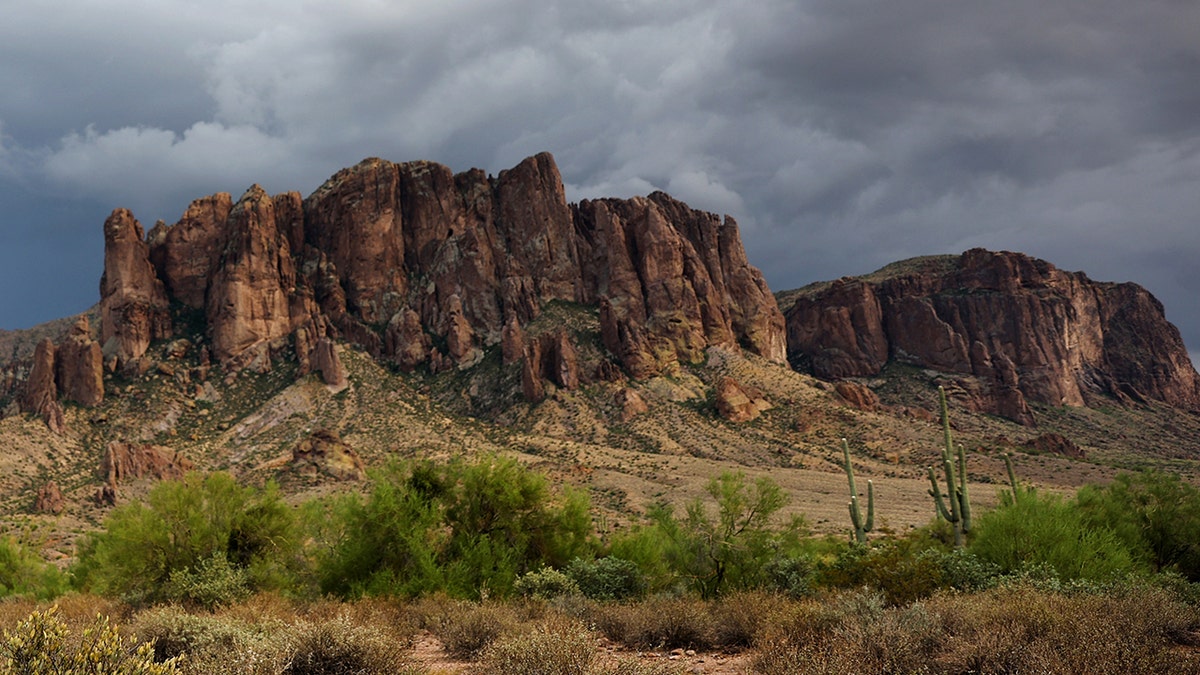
959, 511
861, 527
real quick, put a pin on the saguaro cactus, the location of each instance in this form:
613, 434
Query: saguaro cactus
861, 527
958, 513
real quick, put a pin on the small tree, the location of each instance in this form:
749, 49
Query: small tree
187, 532
731, 550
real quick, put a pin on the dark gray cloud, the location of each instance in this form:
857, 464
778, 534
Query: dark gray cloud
843, 134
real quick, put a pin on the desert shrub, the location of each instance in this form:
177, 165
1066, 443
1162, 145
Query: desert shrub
206, 531
608, 578
1023, 629
561, 647
658, 622
42, 645
1046, 529
739, 617
1155, 514
792, 575
467, 629
343, 647
24, 573
213, 582
631, 665
545, 584
470, 529
173, 632
855, 633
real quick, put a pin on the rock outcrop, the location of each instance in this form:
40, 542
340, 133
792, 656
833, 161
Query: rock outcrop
1020, 328
41, 389
550, 358
738, 403
324, 452
126, 461
79, 366
134, 309
49, 499
421, 266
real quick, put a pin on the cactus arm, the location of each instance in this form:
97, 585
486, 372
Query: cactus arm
948, 448
936, 493
964, 507
1012, 476
860, 528
870, 507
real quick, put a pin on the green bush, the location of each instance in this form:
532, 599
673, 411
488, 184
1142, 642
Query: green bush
545, 584
42, 645
24, 573
470, 529
1155, 514
201, 535
609, 578
1045, 529
732, 550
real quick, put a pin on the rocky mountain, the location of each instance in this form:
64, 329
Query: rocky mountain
420, 266
623, 346
1016, 329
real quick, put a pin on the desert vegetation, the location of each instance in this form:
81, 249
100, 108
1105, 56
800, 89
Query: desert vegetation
506, 573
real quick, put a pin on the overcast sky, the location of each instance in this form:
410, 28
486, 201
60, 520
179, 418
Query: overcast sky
842, 134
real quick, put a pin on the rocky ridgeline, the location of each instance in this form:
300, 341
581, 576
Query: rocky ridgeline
1021, 329
423, 267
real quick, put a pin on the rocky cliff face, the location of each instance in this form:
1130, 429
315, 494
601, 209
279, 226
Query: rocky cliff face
72, 370
418, 265
1023, 329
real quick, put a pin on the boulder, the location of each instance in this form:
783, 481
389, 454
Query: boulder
325, 453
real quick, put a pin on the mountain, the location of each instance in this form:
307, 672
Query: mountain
626, 346
1014, 328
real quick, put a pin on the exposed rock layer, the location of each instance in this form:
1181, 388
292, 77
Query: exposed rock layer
421, 266
1025, 330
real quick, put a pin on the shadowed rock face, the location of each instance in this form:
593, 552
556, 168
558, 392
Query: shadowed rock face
398, 258
1025, 329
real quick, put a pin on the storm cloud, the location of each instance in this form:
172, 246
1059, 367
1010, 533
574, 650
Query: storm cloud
842, 134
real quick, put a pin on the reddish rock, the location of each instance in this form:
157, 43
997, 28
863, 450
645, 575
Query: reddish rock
41, 390
1024, 329
247, 302
406, 341
551, 357
532, 384
512, 342
133, 302
327, 362
857, 395
460, 338
630, 403
383, 255
187, 254
49, 499
737, 403
79, 366
126, 461
325, 453
1057, 444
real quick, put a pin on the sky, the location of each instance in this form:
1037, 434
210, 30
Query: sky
841, 134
